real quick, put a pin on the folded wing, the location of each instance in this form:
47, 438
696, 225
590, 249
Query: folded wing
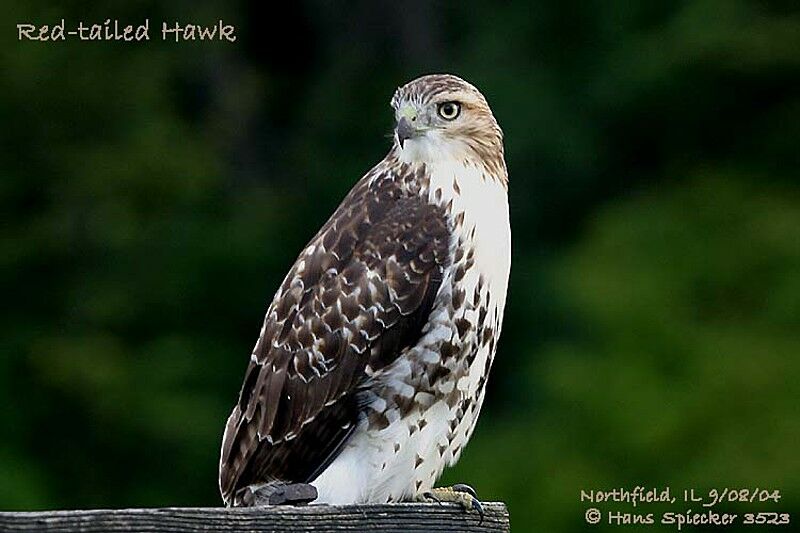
358, 295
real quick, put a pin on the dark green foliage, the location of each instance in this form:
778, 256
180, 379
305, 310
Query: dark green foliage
154, 194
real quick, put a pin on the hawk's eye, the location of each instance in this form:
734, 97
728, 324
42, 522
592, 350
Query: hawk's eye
449, 110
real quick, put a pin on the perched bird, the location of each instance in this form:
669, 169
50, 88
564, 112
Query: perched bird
370, 370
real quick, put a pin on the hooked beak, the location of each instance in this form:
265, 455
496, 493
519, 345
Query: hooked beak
404, 130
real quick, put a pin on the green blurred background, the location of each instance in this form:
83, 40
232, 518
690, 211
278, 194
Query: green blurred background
154, 194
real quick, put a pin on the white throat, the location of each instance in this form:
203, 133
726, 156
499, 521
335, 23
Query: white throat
431, 148
468, 188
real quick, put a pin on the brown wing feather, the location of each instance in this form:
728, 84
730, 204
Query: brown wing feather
358, 294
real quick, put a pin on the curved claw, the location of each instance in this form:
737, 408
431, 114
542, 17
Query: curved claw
478, 506
430, 496
463, 487
475, 502
460, 493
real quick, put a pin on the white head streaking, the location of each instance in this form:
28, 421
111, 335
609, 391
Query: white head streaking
370, 370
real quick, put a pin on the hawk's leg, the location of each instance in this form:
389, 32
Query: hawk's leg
460, 493
275, 493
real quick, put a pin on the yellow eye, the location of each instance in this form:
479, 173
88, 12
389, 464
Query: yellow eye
449, 110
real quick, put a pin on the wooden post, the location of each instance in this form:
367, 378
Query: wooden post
392, 518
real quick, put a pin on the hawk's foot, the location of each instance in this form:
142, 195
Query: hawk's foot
460, 493
275, 493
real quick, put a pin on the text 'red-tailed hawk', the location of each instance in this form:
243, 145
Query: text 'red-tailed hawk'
371, 367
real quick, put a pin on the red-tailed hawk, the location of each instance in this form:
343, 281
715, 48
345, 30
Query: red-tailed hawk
370, 370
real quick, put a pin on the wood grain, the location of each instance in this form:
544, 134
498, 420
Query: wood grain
391, 518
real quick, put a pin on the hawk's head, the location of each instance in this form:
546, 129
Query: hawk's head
442, 117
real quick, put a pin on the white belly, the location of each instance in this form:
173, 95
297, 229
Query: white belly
407, 457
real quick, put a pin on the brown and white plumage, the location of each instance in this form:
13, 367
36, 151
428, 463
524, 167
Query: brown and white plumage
369, 372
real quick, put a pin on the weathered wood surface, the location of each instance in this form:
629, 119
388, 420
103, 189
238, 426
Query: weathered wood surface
392, 518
